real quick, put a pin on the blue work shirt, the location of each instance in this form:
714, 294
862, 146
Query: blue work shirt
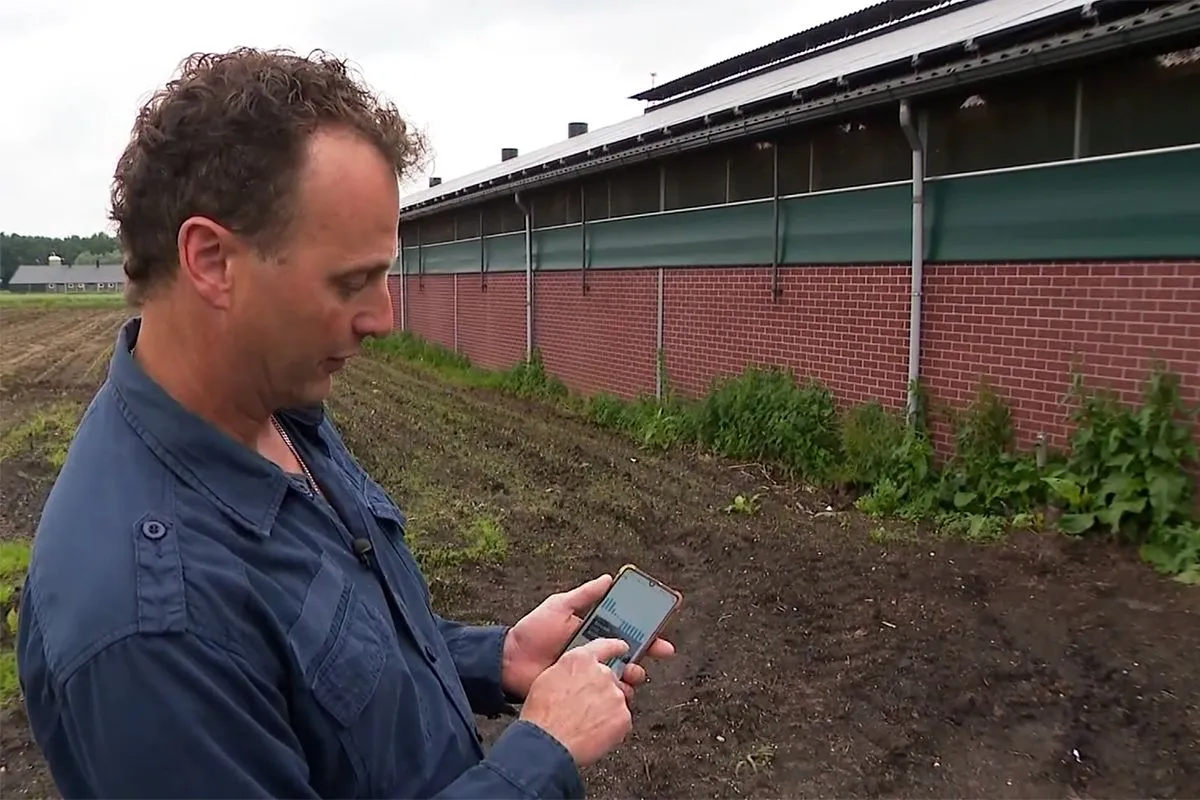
196, 623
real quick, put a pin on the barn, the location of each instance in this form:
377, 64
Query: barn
59, 277
917, 193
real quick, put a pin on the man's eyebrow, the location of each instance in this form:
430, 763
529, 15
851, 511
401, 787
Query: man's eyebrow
366, 269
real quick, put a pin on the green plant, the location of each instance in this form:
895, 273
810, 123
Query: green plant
870, 436
529, 379
907, 483
45, 436
1128, 471
986, 477
14, 563
764, 415
972, 527
410, 347
744, 505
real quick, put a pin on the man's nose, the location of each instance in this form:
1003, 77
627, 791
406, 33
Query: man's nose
379, 319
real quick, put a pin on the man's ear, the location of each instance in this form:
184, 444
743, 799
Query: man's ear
207, 251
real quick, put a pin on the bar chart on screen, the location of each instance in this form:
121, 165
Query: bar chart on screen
633, 635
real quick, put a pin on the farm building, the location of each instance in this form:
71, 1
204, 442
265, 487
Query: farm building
59, 277
999, 189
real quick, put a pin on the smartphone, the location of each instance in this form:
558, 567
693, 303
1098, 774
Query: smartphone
635, 608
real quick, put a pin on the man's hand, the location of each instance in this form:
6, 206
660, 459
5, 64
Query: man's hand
533, 644
579, 701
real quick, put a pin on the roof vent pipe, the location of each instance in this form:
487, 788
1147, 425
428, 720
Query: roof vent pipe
576, 129
434, 181
508, 153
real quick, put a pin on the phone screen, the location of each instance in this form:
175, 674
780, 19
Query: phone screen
633, 610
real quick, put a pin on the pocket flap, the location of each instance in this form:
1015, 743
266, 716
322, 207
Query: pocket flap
349, 674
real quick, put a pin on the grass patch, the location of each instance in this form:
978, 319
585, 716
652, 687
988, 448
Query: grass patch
445, 532
44, 436
62, 300
484, 542
525, 379
14, 563
1125, 475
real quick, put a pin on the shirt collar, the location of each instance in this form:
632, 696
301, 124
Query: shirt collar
246, 486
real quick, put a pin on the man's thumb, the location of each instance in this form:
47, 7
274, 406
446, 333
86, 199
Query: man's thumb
586, 595
604, 649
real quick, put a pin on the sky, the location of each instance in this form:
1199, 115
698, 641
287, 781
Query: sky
476, 76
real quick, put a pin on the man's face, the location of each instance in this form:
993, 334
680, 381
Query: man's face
307, 311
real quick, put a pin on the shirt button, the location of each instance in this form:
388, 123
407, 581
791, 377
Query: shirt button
432, 656
153, 529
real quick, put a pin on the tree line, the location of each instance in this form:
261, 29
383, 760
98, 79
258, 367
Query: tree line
17, 250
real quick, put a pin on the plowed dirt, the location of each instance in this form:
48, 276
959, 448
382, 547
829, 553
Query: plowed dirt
815, 659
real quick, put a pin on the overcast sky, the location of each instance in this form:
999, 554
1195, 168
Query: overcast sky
476, 75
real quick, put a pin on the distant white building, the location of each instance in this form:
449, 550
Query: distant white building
59, 277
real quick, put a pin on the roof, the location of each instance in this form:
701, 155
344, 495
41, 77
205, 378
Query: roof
873, 19
962, 23
38, 274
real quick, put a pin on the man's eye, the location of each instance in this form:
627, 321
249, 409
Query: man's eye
352, 285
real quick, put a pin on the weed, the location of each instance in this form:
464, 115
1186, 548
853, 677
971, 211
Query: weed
870, 435
412, 348
14, 562
654, 425
10, 684
972, 527
744, 505
485, 544
530, 379
45, 436
1127, 472
764, 415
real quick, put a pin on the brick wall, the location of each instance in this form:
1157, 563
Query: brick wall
393, 284
845, 326
491, 320
430, 305
1022, 326
602, 341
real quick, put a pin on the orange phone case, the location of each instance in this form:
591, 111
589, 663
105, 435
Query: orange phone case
662, 624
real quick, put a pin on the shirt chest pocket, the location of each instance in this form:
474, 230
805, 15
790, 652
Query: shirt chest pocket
391, 523
368, 708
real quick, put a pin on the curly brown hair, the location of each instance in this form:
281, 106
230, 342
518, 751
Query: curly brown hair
226, 140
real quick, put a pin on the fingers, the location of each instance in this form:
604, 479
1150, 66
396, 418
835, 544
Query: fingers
633, 675
585, 595
604, 649
661, 648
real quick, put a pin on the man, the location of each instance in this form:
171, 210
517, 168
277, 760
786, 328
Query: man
220, 601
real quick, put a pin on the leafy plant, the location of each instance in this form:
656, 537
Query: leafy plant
870, 437
1127, 474
1129, 471
764, 415
744, 505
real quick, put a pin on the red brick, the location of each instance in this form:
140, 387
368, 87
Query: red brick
491, 320
1022, 326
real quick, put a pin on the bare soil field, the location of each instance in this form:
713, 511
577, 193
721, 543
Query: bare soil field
820, 655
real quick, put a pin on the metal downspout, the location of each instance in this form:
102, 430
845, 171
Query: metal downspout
918, 255
528, 275
659, 355
404, 298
